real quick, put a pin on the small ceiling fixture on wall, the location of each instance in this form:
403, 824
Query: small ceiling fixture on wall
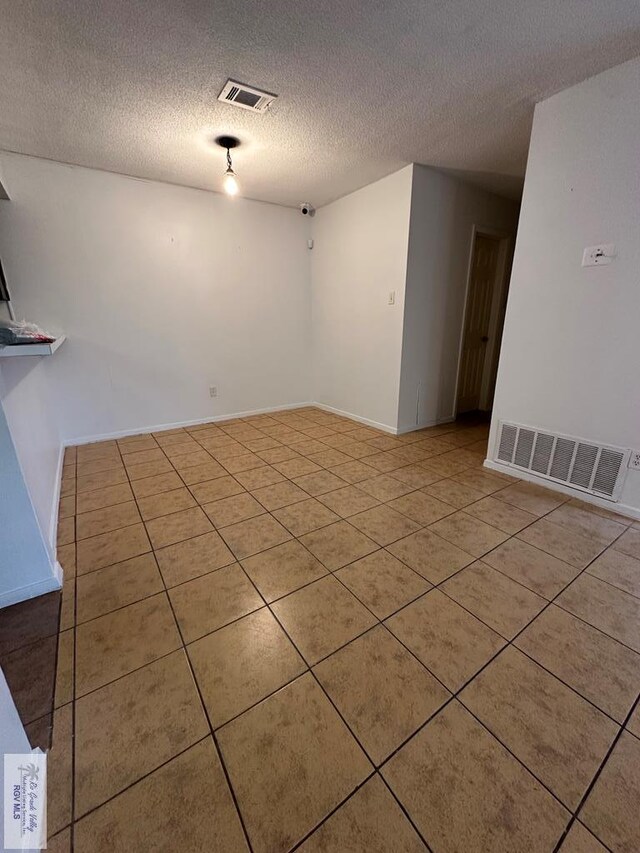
230, 181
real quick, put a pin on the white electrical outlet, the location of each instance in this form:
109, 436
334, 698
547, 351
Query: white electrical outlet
213, 390
634, 459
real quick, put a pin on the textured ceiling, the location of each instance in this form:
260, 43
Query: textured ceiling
365, 86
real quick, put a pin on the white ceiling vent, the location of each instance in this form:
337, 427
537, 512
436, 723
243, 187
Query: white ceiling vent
594, 468
246, 97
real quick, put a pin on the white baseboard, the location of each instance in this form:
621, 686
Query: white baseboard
352, 417
623, 509
108, 436
414, 427
22, 593
53, 522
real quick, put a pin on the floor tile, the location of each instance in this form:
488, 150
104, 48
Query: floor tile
279, 495
149, 469
354, 472
472, 535
283, 569
209, 470
384, 487
143, 457
107, 519
611, 810
60, 843
92, 482
116, 586
187, 461
305, 516
193, 557
257, 478
596, 666
59, 771
180, 448
429, 555
233, 509
328, 458
510, 519
100, 498
495, 599
587, 523
348, 501
531, 497
453, 492
291, 761
165, 804
239, 665
99, 466
338, 544
177, 527
629, 543
448, 640
213, 600
574, 548
384, 525
319, 483
64, 669
166, 503
321, 617
371, 820
382, 583
580, 840
66, 555
541, 572
381, 690
108, 548
277, 454
254, 535
215, 490
618, 569
30, 620
633, 724
465, 792
296, 467
115, 644
30, 673
416, 476
132, 726
483, 481
559, 736
605, 607
67, 607
66, 531
421, 507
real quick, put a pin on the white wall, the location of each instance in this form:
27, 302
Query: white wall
571, 351
359, 256
27, 562
162, 292
444, 211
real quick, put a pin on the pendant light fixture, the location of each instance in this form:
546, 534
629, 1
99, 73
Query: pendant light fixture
230, 181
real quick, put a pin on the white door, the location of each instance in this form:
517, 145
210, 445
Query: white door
484, 265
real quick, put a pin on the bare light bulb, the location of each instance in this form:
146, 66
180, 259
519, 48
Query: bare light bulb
230, 182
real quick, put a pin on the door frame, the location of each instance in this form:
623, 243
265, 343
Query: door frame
499, 303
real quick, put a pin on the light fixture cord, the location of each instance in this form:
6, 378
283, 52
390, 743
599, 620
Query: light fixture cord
229, 166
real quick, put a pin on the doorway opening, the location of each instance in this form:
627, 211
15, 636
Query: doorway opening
483, 322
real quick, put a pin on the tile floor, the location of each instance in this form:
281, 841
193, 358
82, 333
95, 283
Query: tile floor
292, 631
